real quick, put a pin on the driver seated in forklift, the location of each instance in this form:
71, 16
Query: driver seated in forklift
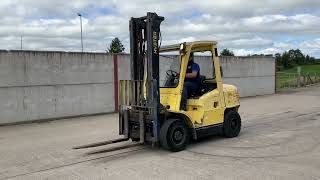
191, 82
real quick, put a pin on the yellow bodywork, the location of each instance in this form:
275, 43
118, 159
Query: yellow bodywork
209, 108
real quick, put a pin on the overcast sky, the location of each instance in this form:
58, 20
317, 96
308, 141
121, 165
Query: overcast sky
245, 26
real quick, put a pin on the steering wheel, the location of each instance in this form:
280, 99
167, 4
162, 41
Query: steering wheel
172, 73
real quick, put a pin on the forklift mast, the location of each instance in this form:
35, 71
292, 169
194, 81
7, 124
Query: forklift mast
145, 31
144, 51
139, 110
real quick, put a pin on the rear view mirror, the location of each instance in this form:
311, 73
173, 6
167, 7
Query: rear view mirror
182, 48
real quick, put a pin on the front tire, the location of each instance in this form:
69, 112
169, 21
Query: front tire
174, 135
231, 124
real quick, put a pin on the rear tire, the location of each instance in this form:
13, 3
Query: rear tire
231, 124
174, 135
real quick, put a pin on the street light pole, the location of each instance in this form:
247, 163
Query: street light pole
21, 43
81, 31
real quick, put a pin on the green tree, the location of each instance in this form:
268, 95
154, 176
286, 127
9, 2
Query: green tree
278, 57
308, 60
286, 60
313, 60
226, 52
292, 58
297, 56
116, 46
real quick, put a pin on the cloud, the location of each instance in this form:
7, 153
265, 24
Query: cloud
311, 47
313, 44
296, 24
247, 27
282, 45
248, 43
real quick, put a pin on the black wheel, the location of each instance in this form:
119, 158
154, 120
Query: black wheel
174, 135
231, 124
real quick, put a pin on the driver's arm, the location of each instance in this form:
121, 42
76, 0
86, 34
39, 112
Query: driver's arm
192, 75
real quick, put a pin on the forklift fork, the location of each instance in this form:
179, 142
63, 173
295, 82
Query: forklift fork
124, 131
101, 143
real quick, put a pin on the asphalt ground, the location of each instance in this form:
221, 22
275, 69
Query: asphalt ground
279, 140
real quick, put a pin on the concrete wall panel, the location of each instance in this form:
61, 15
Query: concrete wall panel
43, 102
41, 85
85, 99
12, 105
68, 68
252, 86
12, 69
248, 66
252, 75
124, 70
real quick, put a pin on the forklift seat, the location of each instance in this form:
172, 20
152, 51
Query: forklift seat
199, 92
202, 79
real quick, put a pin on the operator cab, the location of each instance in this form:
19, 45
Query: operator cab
170, 66
207, 74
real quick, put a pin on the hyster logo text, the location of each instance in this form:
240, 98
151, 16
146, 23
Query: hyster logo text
155, 43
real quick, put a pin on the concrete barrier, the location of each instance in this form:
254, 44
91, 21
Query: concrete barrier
44, 85
252, 75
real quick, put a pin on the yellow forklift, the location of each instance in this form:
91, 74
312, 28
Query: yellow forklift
150, 112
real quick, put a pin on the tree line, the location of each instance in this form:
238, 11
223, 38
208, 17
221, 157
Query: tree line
293, 57
287, 59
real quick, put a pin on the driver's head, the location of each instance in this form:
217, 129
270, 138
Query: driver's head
191, 59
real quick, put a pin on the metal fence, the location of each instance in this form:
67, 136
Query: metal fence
294, 80
310, 78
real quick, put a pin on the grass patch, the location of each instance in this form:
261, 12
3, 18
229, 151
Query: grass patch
304, 69
288, 78
285, 80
